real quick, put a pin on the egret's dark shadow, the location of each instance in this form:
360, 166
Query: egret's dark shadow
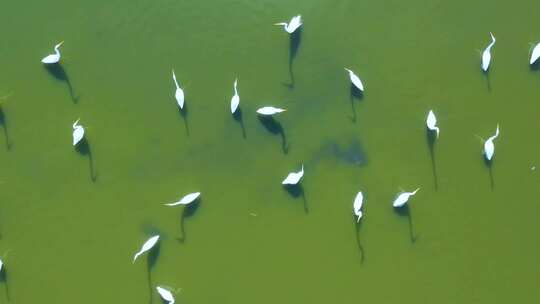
535, 66
431, 137
59, 73
486, 76
240, 119
405, 211
489, 165
297, 191
187, 212
83, 147
355, 94
3, 123
151, 260
274, 127
184, 114
294, 44
4, 280
357, 228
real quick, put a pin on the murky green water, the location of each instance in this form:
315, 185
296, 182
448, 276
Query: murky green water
68, 237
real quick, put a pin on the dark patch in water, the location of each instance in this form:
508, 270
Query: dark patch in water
351, 153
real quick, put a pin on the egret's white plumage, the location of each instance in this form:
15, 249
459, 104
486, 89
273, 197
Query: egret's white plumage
53, 58
1, 265
403, 197
78, 132
486, 54
186, 200
431, 122
149, 244
357, 205
535, 54
355, 80
489, 146
294, 177
268, 111
235, 100
179, 93
293, 25
165, 294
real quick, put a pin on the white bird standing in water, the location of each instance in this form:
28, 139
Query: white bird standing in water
294, 177
179, 94
431, 122
78, 132
53, 58
357, 205
489, 146
269, 111
235, 100
402, 198
535, 54
486, 55
149, 244
186, 200
293, 25
355, 80
165, 294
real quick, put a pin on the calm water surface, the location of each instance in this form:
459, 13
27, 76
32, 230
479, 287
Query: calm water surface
70, 221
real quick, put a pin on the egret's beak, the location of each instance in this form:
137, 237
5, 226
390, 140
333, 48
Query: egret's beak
60, 44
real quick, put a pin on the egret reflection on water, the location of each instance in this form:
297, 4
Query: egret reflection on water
402, 208
357, 210
187, 201
486, 54
432, 133
53, 58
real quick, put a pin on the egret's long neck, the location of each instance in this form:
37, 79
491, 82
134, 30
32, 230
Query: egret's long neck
235, 90
175, 82
57, 51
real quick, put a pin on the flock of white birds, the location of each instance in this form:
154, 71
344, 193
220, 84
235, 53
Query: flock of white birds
292, 178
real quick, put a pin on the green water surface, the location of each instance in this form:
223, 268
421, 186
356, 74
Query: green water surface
71, 221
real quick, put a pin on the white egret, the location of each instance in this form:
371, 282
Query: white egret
165, 294
149, 244
186, 200
489, 146
269, 111
293, 25
1, 265
294, 177
179, 94
235, 100
535, 54
53, 58
431, 122
402, 198
78, 132
355, 80
486, 55
357, 205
